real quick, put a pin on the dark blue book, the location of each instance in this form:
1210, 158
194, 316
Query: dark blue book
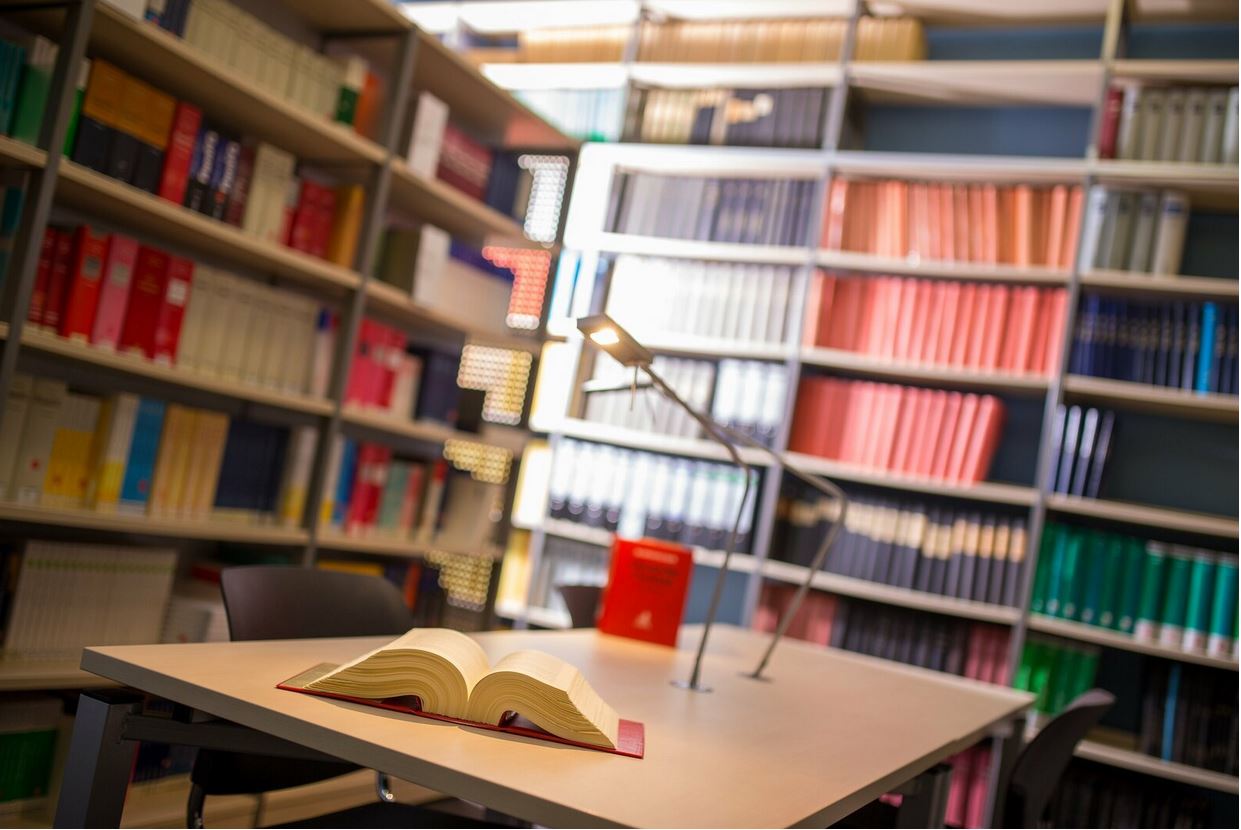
1189, 358
344, 481
1176, 350
202, 164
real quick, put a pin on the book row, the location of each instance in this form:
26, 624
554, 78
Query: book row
1055, 671
130, 131
639, 494
943, 550
968, 649
585, 114
1138, 230
1179, 345
342, 89
728, 117
1081, 444
736, 302
993, 328
1170, 123
370, 493
813, 40
1189, 717
1022, 225
1091, 795
28, 740
745, 211
1176, 596
142, 456
117, 295
928, 433
118, 595
745, 395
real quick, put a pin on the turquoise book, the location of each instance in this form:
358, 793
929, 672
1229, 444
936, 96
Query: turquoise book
143, 449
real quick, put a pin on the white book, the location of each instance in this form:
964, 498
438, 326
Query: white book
324, 353
113, 454
1192, 125
759, 279
1170, 129
133, 8
1096, 213
256, 337
1210, 152
297, 369
15, 406
279, 337
47, 397
295, 480
753, 385
433, 247
1122, 231
197, 312
777, 322
217, 321
1229, 152
426, 135
727, 405
772, 400
1170, 235
1143, 243
696, 277
1151, 103
1129, 130
239, 309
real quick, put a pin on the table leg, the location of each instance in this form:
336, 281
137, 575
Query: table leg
924, 801
1010, 746
99, 763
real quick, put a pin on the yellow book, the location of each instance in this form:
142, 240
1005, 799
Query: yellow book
161, 480
210, 438
183, 448
68, 464
350, 566
346, 225
116, 430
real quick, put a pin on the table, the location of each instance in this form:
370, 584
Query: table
828, 731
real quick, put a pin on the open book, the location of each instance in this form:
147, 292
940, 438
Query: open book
450, 676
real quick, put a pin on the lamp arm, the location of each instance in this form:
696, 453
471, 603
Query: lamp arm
716, 431
823, 486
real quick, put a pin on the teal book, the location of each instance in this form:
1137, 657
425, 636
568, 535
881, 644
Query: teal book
1204, 377
393, 493
1113, 555
1070, 584
143, 449
1055, 566
1094, 573
1169, 712
75, 111
32, 92
1046, 550
1133, 555
344, 483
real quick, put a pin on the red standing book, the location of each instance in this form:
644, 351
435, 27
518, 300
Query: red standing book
176, 174
802, 432
648, 583
85, 277
146, 297
172, 309
118, 271
950, 425
1111, 122
43, 278
58, 284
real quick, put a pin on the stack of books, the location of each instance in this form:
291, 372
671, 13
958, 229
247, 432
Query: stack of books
1170, 123
1081, 443
1139, 230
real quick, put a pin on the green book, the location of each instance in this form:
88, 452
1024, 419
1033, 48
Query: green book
1132, 553
1041, 663
1063, 669
1055, 565
75, 112
1094, 551
389, 513
1175, 596
1220, 641
1198, 602
1071, 581
32, 91
1021, 678
1087, 669
11, 59
1046, 550
1113, 555
1154, 561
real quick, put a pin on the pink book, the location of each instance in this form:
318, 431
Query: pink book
867, 307
114, 292
990, 223
859, 399
907, 307
894, 412
964, 323
996, 322
961, 440
834, 221
929, 433
961, 223
900, 219
928, 349
973, 653
978, 325
984, 440
954, 809
950, 325
934, 219
907, 422
875, 421
947, 225
921, 321
949, 427
1023, 224
831, 438
976, 801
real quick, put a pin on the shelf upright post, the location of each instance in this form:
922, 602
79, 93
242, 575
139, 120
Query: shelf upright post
38, 206
1115, 24
372, 227
833, 125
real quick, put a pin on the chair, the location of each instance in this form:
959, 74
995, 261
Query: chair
1042, 762
582, 602
279, 603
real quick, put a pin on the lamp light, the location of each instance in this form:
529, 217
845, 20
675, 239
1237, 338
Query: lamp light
608, 335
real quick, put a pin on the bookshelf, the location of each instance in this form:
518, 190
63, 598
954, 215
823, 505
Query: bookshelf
1067, 82
59, 190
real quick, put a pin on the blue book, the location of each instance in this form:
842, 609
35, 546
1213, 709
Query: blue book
344, 482
1169, 712
10, 215
1205, 379
143, 448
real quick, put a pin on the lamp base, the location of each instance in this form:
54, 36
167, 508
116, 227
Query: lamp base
755, 676
683, 684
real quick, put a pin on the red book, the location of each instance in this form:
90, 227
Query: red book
172, 309
361, 386
1057, 299
90, 250
977, 329
412, 498
1069, 252
58, 283
927, 438
43, 278
176, 174
984, 439
902, 444
918, 336
831, 428
1111, 122
961, 441
906, 309
892, 411
995, 322
950, 425
963, 325
304, 225
1026, 302
648, 582
118, 271
950, 323
146, 298
820, 314
802, 431
324, 217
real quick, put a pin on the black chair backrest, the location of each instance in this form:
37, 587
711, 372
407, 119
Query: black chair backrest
582, 602
282, 603
266, 602
1038, 768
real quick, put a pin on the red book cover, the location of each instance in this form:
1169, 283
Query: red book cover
1026, 300
305, 226
118, 271
176, 174
85, 276
324, 217
43, 278
361, 385
911, 400
1111, 122
898, 344
146, 297
172, 309
648, 583
831, 428
58, 283
963, 325
984, 439
996, 322
979, 324
892, 413
847, 308
919, 328
858, 405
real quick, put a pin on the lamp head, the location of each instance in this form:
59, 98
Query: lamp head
607, 334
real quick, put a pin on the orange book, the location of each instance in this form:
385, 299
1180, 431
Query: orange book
996, 321
930, 214
977, 239
1057, 301
911, 415
947, 225
900, 219
948, 427
851, 313
851, 205
961, 441
1068, 251
874, 210
917, 218
928, 434
870, 315
976, 327
951, 324
889, 316
834, 396
802, 430
1042, 331
984, 440
346, 225
846, 417
921, 322
1009, 342
1004, 224
1040, 204
928, 351
990, 224
871, 423
1057, 207
834, 221
1023, 225
810, 328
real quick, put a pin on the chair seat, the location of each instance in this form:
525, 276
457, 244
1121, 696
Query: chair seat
380, 814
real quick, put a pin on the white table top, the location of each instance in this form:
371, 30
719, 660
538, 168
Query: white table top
827, 733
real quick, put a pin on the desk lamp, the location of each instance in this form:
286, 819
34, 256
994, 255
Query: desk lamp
605, 333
